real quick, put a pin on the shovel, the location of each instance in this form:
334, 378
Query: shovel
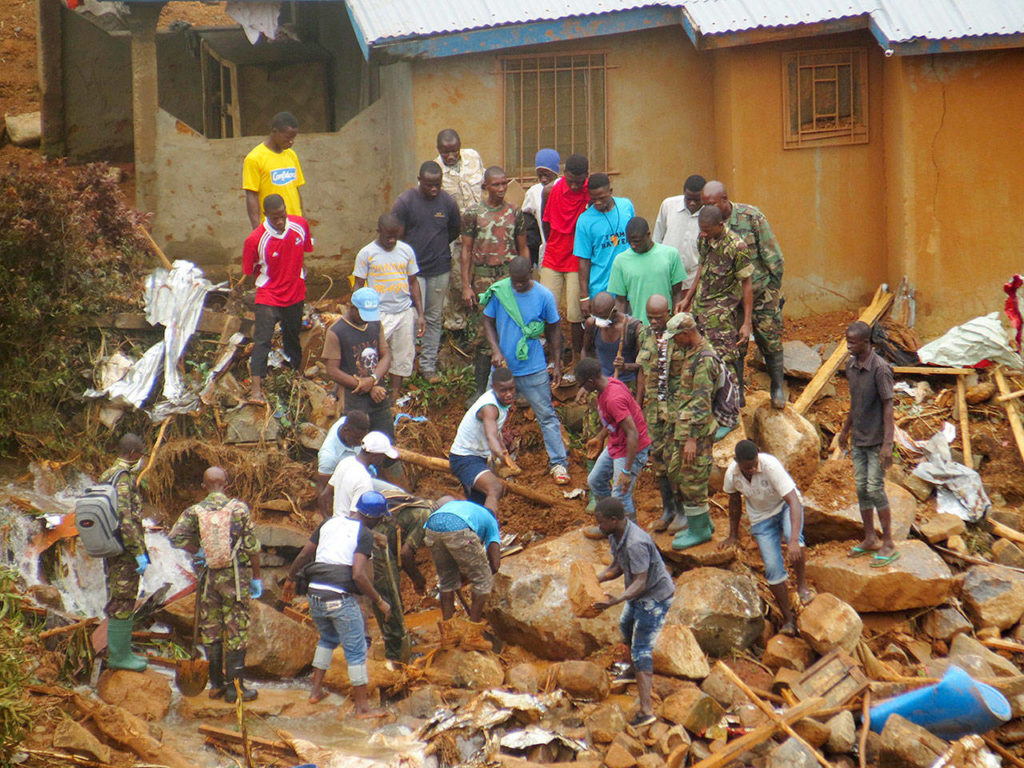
191, 675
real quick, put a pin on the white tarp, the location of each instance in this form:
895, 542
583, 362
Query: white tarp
958, 488
982, 338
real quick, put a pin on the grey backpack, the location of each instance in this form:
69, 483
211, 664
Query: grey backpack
98, 520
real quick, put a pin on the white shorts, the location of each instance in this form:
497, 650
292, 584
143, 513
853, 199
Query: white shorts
400, 331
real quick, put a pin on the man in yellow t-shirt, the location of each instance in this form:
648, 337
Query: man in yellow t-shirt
272, 168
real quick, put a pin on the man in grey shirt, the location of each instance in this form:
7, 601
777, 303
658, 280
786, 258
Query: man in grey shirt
648, 596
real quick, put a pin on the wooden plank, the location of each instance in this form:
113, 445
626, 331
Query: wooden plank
1012, 396
931, 370
965, 422
836, 677
1011, 411
772, 715
230, 737
760, 734
879, 306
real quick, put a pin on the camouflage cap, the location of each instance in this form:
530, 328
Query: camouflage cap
681, 321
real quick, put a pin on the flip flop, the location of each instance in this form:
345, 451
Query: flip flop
880, 561
859, 551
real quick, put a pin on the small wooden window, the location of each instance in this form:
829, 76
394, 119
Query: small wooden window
825, 97
554, 101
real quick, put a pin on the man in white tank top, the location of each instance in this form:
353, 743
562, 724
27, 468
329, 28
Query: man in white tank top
479, 439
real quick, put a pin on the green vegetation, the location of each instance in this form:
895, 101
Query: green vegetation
15, 709
69, 249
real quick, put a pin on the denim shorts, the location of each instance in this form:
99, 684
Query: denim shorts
641, 623
467, 469
771, 536
339, 621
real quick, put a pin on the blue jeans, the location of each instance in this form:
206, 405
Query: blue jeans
640, 624
340, 622
869, 477
771, 535
603, 478
536, 388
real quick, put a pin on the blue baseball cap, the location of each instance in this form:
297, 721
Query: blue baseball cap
548, 158
373, 504
367, 302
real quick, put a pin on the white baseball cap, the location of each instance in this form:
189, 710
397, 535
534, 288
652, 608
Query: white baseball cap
378, 442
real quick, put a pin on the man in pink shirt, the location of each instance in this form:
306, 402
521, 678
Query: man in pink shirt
273, 253
559, 272
627, 445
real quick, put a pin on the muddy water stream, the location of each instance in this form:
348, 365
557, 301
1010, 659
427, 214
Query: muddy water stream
80, 579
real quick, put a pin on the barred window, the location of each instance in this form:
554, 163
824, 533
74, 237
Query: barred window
825, 97
554, 101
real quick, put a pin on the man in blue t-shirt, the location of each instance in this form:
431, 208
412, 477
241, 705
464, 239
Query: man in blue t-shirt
465, 545
515, 343
600, 237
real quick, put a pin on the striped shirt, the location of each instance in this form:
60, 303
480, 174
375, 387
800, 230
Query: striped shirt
276, 261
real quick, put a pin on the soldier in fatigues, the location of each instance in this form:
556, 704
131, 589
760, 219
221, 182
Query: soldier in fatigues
658, 379
124, 571
721, 297
224, 591
493, 233
766, 257
689, 465
404, 534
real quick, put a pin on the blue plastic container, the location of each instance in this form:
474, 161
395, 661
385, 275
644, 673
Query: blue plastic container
955, 706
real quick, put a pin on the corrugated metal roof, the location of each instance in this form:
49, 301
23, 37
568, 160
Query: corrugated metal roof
382, 20
898, 20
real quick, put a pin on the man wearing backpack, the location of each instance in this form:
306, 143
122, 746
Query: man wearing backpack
689, 465
219, 533
125, 570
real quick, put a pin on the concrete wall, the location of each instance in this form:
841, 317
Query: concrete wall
825, 204
954, 188
200, 211
659, 110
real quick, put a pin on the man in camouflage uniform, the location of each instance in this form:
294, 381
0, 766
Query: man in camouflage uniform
657, 381
493, 233
125, 570
404, 534
223, 593
721, 298
766, 257
693, 430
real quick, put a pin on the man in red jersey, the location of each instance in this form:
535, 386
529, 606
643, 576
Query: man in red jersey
273, 253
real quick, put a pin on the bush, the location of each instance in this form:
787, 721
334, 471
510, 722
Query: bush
69, 249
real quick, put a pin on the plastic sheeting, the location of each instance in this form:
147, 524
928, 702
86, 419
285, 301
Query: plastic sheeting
958, 488
174, 299
982, 338
255, 18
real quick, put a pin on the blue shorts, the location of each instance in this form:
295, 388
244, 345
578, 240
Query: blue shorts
771, 536
640, 624
467, 469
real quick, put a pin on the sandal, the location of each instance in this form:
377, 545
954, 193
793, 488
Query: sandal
859, 551
880, 561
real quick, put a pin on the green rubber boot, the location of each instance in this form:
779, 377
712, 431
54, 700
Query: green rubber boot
699, 530
119, 646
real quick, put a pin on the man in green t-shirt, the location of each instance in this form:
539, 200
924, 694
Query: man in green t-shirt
646, 269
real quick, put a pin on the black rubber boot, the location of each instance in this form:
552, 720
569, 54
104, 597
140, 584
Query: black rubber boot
215, 655
668, 504
775, 373
739, 380
234, 664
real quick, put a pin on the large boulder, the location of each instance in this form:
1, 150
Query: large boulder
278, 646
145, 694
828, 623
722, 608
678, 653
790, 438
465, 669
530, 603
918, 579
993, 597
799, 360
831, 511
70, 735
582, 679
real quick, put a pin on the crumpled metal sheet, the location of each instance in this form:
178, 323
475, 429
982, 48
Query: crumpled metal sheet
534, 735
175, 300
134, 387
959, 490
982, 338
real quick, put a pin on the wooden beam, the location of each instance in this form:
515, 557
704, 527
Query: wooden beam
230, 737
965, 422
761, 734
1012, 396
772, 715
931, 370
879, 306
1011, 411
